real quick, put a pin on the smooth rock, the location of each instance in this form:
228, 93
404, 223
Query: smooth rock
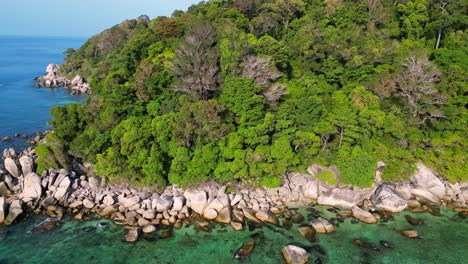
411, 233
32, 186
266, 216
322, 225
198, 200
131, 201
62, 188
149, 229
133, 234
27, 164
3, 209
250, 215
311, 190
244, 251
363, 216
224, 216
88, 204
345, 198
297, 218
388, 199
12, 168
413, 221
164, 204
237, 225
14, 211
425, 179
178, 203
210, 214
308, 232
295, 255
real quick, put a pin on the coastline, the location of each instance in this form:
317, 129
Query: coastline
144, 210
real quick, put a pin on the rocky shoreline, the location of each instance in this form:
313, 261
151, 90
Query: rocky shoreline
52, 79
145, 210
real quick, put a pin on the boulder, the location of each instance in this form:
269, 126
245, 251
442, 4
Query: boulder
250, 215
62, 188
77, 80
387, 198
133, 234
411, 233
131, 201
237, 226
308, 232
15, 210
27, 164
363, 216
236, 199
210, 213
244, 251
311, 190
427, 185
12, 168
224, 216
94, 183
88, 204
345, 198
322, 225
266, 216
147, 229
164, 204
107, 211
108, 200
4, 191
178, 203
149, 214
198, 200
3, 209
32, 186
295, 255
297, 180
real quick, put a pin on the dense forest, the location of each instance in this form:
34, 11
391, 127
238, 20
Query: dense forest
247, 90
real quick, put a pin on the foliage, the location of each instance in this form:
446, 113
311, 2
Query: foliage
246, 91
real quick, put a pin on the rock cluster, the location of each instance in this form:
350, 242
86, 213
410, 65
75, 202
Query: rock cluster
52, 79
144, 210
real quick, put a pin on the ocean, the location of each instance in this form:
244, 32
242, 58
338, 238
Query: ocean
23, 108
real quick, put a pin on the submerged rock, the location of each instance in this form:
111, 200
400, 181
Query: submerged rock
414, 221
308, 232
47, 225
295, 255
386, 244
244, 251
133, 234
322, 225
363, 216
366, 244
297, 218
411, 233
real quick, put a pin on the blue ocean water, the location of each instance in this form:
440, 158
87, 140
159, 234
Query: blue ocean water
23, 108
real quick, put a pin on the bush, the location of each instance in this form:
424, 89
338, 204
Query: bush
327, 176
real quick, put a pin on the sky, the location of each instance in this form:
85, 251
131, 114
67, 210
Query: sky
79, 18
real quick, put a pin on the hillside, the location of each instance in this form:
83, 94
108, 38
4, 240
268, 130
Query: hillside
248, 90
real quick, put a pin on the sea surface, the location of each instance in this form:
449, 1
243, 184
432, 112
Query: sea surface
23, 108
443, 240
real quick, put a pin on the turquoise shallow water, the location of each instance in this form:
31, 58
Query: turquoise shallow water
444, 239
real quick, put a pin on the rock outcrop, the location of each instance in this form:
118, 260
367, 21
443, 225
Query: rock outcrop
388, 199
427, 185
52, 79
345, 198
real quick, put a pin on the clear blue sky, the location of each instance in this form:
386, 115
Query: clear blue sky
82, 18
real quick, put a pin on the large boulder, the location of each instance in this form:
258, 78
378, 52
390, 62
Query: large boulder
178, 203
63, 185
77, 80
27, 164
133, 234
131, 201
311, 190
3, 209
363, 216
197, 200
387, 198
427, 185
12, 168
32, 187
345, 198
164, 204
224, 216
16, 209
295, 255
